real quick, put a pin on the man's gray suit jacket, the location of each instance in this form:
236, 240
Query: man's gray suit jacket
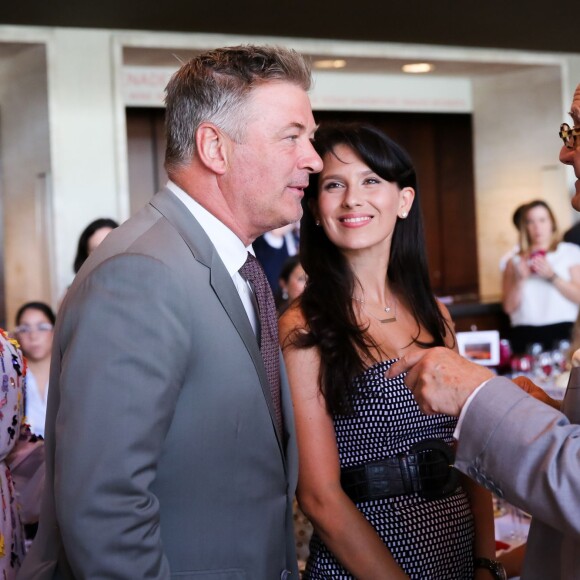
529, 453
163, 459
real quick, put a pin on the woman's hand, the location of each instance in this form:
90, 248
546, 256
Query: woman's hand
516, 272
519, 268
540, 266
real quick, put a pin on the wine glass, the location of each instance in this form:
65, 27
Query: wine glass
521, 365
520, 523
559, 361
545, 365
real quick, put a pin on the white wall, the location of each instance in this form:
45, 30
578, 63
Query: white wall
515, 123
83, 139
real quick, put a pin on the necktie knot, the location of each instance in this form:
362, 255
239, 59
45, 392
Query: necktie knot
253, 272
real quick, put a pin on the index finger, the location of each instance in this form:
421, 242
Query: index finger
405, 363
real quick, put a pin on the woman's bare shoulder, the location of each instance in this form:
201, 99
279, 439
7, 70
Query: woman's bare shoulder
292, 321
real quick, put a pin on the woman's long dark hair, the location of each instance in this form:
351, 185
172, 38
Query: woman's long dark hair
83, 245
345, 348
41, 306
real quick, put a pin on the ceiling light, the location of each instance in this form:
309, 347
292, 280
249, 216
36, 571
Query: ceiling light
417, 67
331, 63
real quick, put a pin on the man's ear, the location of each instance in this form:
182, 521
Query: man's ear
211, 147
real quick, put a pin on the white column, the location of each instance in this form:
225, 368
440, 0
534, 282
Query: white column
81, 91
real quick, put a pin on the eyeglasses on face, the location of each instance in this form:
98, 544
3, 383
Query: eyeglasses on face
569, 135
27, 328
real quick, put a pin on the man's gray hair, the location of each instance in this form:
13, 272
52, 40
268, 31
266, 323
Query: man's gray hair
214, 87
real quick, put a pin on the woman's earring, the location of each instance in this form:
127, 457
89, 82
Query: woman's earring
317, 222
404, 214
284, 295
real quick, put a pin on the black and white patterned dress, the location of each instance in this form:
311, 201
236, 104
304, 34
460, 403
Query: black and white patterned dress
430, 539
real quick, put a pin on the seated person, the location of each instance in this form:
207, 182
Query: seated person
34, 331
273, 249
292, 281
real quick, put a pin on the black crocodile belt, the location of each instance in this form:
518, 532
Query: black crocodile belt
427, 470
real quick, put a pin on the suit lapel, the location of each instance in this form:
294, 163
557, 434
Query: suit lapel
204, 252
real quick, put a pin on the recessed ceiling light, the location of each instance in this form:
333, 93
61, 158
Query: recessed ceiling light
330, 63
417, 67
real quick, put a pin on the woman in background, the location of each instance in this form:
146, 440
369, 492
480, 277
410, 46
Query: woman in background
292, 281
34, 331
541, 284
368, 301
91, 237
272, 249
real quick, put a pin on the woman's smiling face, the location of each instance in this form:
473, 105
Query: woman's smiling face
358, 209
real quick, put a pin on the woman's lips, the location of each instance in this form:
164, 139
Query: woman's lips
355, 221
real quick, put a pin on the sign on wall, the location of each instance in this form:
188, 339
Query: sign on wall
144, 87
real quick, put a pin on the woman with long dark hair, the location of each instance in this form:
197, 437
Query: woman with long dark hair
374, 471
91, 237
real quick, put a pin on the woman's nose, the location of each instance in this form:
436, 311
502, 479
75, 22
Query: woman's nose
351, 198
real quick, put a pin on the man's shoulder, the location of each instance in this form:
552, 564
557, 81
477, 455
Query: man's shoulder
146, 235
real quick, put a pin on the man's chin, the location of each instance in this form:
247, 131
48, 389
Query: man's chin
294, 215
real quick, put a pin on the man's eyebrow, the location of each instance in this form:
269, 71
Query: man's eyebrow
297, 125
301, 127
294, 125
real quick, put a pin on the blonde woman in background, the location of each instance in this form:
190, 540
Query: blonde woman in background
541, 284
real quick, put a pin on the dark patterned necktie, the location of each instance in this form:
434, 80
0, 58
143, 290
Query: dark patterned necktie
253, 273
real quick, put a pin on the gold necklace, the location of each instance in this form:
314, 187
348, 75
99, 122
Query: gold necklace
387, 308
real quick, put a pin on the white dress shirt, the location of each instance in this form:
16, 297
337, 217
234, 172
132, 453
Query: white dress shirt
35, 404
464, 409
229, 247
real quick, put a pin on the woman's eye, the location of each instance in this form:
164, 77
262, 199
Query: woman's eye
332, 185
371, 181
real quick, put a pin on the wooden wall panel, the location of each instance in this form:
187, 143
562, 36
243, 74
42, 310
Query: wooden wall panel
146, 149
456, 196
441, 148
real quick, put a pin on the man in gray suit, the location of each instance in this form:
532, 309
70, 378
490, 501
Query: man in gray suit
516, 446
164, 455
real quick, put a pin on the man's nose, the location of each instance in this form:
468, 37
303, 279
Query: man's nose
312, 161
567, 155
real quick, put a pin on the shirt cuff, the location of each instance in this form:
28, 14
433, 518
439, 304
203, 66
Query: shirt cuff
464, 410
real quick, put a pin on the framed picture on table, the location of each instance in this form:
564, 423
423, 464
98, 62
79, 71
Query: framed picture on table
479, 346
